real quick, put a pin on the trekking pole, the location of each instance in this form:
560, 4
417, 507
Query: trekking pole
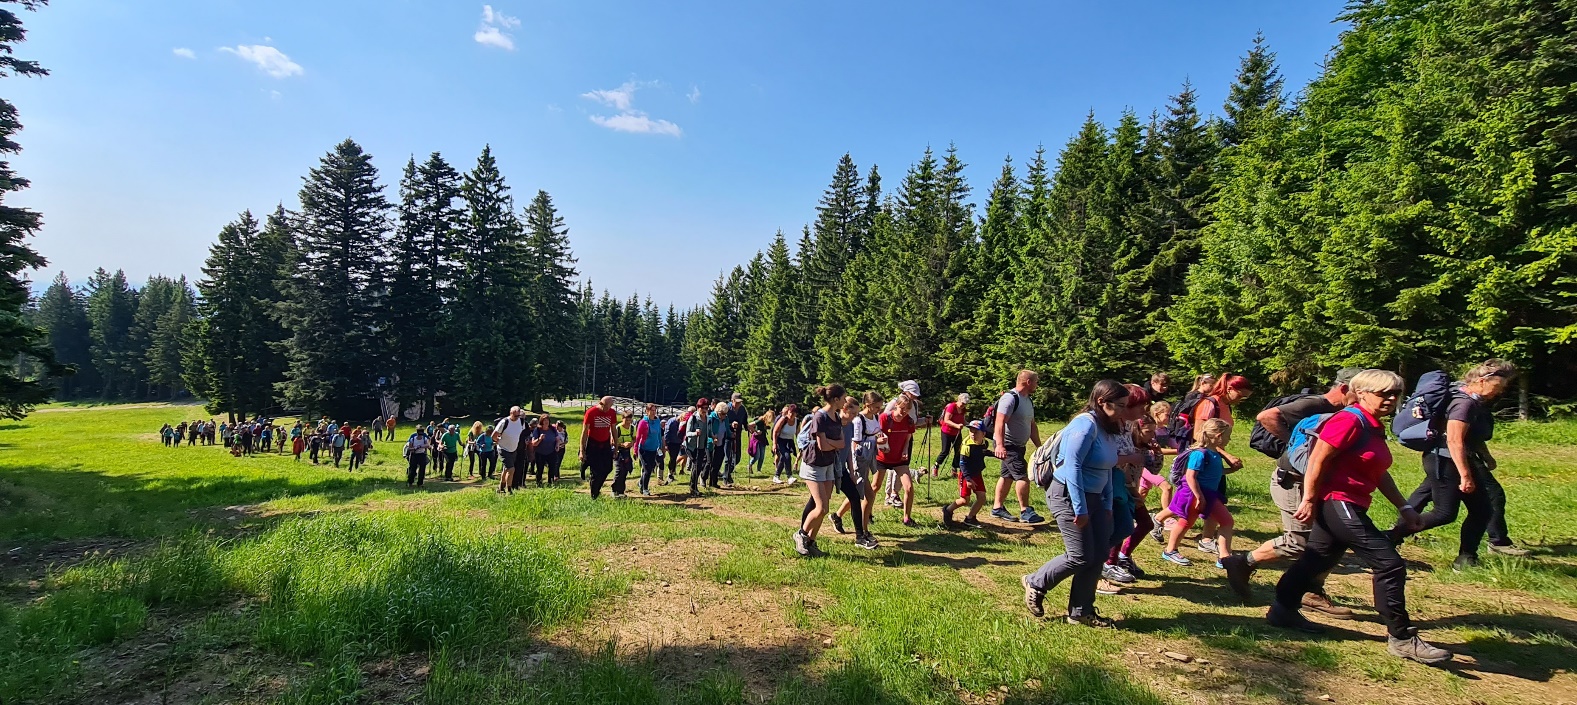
928, 457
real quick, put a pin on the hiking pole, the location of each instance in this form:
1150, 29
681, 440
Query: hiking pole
928, 457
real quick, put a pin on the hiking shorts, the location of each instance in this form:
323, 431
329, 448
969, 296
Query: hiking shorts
970, 484
817, 473
1294, 534
1014, 466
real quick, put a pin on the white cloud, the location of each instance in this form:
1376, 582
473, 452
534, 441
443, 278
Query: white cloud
694, 95
617, 98
267, 59
492, 32
637, 122
275, 95
184, 53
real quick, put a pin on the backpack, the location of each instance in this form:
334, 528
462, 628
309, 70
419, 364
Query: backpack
1300, 444
1182, 423
804, 441
1261, 439
1044, 462
988, 420
1420, 423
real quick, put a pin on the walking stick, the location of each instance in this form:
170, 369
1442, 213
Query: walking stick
928, 456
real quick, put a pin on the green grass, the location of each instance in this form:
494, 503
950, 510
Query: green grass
319, 573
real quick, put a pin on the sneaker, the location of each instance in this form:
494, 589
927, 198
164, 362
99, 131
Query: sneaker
801, 543
1509, 549
1322, 604
895, 503
1000, 513
791, 479
1107, 587
1176, 557
1133, 568
837, 524
1092, 620
867, 542
1284, 618
1238, 571
616, 495
1416, 649
776, 481
1464, 562
971, 523
814, 550
1033, 598
1208, 546
911, 523
1117, 574
1028, 516
947, 516
1157, 535
646, 493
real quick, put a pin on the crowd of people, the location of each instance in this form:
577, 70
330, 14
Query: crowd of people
1097, 474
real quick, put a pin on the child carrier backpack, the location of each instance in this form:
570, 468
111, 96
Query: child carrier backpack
1261, 439
1420, 423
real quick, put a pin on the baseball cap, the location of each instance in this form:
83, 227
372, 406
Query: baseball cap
1345, 375
976, 425
910, 386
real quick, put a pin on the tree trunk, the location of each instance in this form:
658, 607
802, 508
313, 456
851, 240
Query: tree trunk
1524, 404
536, 405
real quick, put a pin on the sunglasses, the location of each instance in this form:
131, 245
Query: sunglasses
1387, 394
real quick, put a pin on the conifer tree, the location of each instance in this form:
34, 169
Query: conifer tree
63, 315
1257, 92
235, 353
772, 376
551, 296
425, 265
494, 367
112, 307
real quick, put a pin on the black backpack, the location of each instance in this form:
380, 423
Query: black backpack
1261, 439
1182, 423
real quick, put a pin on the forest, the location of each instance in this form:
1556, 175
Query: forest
1413, 207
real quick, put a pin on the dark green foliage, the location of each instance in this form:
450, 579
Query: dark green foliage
492, 320
235, 352
63, 315
426, 252
551, 297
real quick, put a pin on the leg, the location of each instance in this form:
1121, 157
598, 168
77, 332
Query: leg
1321, 555
1076, 542
1021, 487
852, 495
1352, 526
1440, 474
1499, 535
821, 496
908, 494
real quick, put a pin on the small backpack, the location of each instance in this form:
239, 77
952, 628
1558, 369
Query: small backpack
1043, 464
1182, 423
1300, 444
1261, 439
1180, 467
988, 420
804, 441
1420, 423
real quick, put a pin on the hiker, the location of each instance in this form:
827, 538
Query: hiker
558, 456
388, 430
1286, 492
697, 438
377, 427
507, 432
783, 445
1125, 488
596, 442
416, 457
907, 389
971, 482
849, 481
717, 457
357, 449
649, 443
1349, 461
1153, 457
543, 445
759, 428
953, 434
865, 428
1228, 391
738, 420
1450, 483
623, 453
451, 450
1079, 497
1157, 386
673, 443
824, 432
1013, 427
1198, 495
486, 452
297, 442
892, 451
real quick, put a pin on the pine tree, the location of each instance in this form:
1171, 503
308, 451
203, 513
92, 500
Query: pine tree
988, 281
63, 315
335, 294
1257, 92
552, 299
426, 252
164, 358
234, 356
18, 338
1185, 157
112, 306
771, 375
494, 366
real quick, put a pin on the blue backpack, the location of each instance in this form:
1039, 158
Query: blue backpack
1420, 423
1300, 443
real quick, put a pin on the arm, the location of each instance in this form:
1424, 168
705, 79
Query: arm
1409, 516
996, 433
1232, 462
1456, 441
1311, 479
1076, 444
1271, 420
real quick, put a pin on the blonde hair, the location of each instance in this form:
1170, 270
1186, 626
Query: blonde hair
1215, 432
1160, 407
1377, 381
1493, 367
476, 428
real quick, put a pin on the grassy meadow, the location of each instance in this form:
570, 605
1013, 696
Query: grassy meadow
135, 573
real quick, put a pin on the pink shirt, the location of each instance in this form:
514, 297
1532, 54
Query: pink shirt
1359, 456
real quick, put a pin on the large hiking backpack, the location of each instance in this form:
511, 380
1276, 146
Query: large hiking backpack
1044, 462
1261, 439
988, 420
1420, 423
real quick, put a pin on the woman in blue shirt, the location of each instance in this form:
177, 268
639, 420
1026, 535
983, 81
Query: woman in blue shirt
1080, 500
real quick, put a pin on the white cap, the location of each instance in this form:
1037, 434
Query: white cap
911, 387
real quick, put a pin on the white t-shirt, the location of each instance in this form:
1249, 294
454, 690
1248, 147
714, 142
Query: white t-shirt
509, 431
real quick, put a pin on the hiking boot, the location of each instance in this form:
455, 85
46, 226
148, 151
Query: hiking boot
801, 543
837, 524
1416, 649
1284, 618
1238, 570
1028, 516
1033, 598
1176, 557
947, 516
1107, 587
1002, 514
1209, 546
867, 542
1464, 562
815, 551
1157, 535
1092, 620
1117, 574
1509, 549
1322, 604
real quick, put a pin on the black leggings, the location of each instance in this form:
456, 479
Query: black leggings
1337, 527
850, 489
1441, 486
953, 443
1499, 535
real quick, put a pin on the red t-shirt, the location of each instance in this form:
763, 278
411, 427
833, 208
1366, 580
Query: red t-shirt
898, 430
1360, 456
598, 424
954, 413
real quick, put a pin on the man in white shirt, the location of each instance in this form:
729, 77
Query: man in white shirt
507, 432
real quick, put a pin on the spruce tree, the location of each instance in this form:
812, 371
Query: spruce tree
1257, 91
425, 265
494, 367
551, 296
335, 289
164, 359
112, 306
63, 315
772, 376
235, 348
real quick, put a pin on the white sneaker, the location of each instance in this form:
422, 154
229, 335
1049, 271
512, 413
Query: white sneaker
776, 481
792, 478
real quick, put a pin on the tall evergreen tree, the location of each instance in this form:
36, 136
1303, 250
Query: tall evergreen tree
164, 359
334, 296
1256, 93
235, 355
426, 248
63, 315
551, 296
494, 366
771, 375
112, 306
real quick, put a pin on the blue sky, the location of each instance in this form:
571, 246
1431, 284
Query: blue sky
675, 138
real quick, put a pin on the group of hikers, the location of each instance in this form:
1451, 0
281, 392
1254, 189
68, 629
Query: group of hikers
1097, 474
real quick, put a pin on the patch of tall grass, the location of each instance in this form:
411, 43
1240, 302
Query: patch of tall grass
39, 642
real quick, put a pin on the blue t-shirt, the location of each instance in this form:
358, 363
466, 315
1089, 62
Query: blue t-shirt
654, 435
547, 440
1208, 468
484, 443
